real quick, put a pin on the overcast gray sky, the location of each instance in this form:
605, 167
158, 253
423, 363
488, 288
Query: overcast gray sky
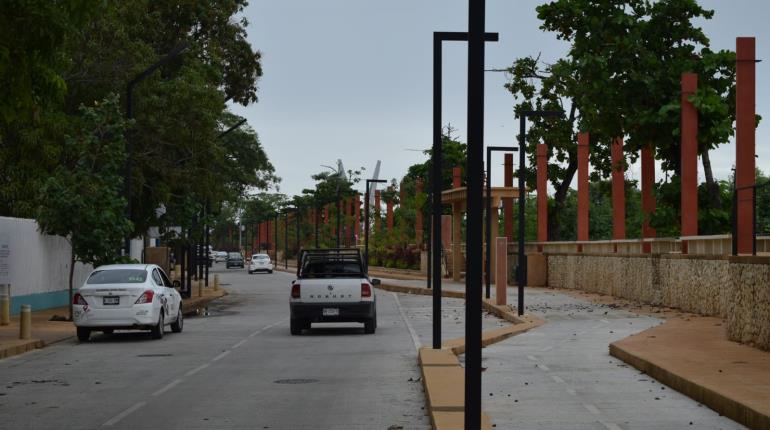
352, 79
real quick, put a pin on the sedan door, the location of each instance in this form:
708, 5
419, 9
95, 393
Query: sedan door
175, 300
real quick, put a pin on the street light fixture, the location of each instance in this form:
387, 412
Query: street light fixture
130, 114
488, 261
521, 266
366, 220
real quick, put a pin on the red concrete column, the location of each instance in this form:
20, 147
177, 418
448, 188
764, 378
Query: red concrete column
583, 204
501, 271
418, 216
401, 194
326, 214
357, 216
456, 173
542, 192
446, 231
618, 190
745, 121
648, 197
507, 202
389, 213
377, 210
689, 158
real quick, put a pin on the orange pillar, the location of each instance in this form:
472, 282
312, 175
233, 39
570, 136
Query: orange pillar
377, 209
456, 172
583, 204
418, 216
542, 192
357, 216
648, 198
501, 271
508, 202
689, 158
618, 190
745, 121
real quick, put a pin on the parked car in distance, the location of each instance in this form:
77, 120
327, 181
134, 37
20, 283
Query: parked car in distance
127, 297
332, 286
234, 259
260, 263
221, 257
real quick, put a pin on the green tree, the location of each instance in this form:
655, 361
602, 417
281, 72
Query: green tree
83, 194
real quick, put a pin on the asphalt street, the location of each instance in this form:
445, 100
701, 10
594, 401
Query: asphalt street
234, 367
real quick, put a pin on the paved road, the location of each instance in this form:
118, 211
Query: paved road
236, 368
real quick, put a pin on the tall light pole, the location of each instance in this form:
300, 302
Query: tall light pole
521, 265
366, 220
129, 115
436, 177
487, 263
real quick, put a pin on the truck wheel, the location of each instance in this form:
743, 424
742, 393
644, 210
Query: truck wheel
370, 325
84, 334
295, 326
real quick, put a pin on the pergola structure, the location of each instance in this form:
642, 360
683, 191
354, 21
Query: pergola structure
457, 197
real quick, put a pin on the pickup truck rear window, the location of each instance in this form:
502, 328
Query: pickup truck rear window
331, 269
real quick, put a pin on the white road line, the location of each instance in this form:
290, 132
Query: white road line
238, 345
611, 426
415, 339
166, 388
557, 379
543, 367
604, 320
571, 392
592, 409
221, 356
547, 348
197, 369
268, 327
532, 357
124, 414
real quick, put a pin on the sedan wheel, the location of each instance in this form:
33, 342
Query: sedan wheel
83, 334
178, 325
157, 331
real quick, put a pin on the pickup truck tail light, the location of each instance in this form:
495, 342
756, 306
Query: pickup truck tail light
366, 290
295, 291
146, 297
77, 299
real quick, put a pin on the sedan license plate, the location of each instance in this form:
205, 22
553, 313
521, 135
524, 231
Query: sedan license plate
331, 312
111, 300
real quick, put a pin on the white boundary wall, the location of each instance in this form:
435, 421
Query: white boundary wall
39, 264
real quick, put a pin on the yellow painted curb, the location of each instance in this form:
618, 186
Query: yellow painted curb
20, 346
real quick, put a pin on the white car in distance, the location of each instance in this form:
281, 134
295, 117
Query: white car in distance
260, 263
127, 297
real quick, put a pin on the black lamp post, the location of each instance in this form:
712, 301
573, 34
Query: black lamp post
130, 114
436, 177
521, 269
488, 261
366, 220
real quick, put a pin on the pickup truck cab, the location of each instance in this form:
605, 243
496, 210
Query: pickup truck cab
332, 286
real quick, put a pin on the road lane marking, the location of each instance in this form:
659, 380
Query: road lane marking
167, 387
557, 379
197, 369
532, 357
611, 426
268, 327
571, 392
124, 414
604, 320
237, 345
592, 409
415, 339
543, 367
221, 356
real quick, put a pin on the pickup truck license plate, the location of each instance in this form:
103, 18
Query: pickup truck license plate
331, 312
111, 300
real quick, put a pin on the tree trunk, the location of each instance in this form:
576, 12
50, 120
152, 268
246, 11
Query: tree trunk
554, 233
72, 271
715, 199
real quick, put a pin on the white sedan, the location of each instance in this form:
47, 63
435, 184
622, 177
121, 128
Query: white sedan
127, 297
260, 263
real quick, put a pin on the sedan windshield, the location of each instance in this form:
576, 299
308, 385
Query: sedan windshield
119, 276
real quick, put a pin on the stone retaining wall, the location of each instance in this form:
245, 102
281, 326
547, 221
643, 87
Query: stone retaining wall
735, 288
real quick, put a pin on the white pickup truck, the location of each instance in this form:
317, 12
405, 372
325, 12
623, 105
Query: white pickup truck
332, 286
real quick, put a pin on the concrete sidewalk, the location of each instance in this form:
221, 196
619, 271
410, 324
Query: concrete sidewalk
46, 332
694, 356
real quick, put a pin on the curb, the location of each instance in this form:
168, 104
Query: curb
726, 406
20, 347
194, 304
443, 378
